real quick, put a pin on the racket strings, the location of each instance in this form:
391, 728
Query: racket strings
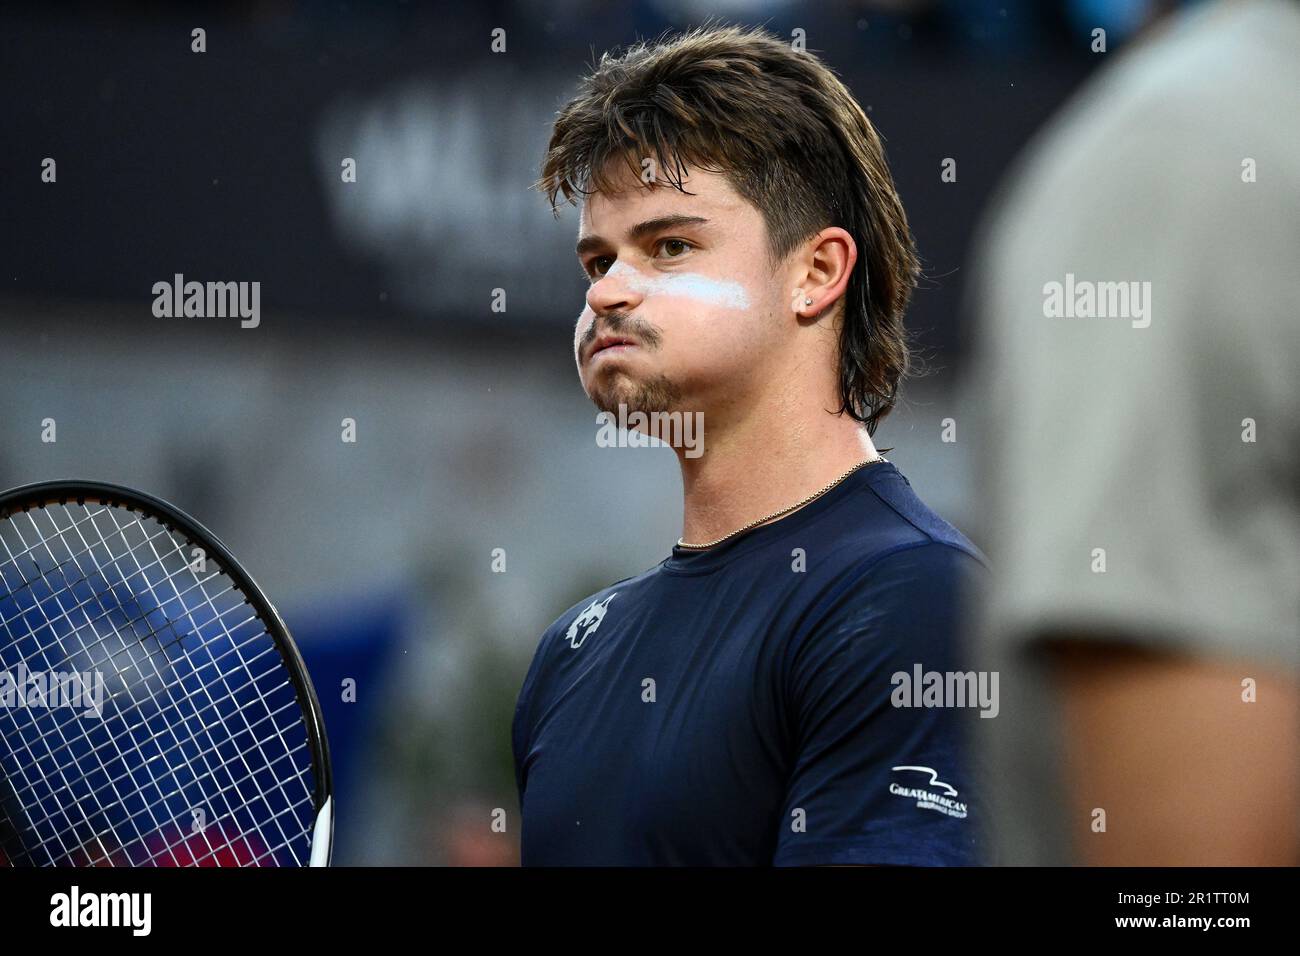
252, 725
118, 698
242, 662
190, 726
137, 562
96, 840
29, 583
123, 775
65, 614
107, 612
258, 744
124, 732
114, 739
84, 823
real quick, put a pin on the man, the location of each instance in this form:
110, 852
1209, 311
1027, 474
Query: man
1142, 463
741, 702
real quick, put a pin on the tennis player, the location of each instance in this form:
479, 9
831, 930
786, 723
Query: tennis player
750, 700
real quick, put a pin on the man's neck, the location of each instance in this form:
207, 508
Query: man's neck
764, 464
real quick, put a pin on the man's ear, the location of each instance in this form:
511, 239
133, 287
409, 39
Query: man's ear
825, 265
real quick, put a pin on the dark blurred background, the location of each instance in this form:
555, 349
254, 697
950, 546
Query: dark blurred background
472, 432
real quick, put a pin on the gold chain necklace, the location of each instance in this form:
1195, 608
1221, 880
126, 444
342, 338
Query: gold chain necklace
783, 511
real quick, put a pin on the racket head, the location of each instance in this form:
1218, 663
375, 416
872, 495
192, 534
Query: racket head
208, 747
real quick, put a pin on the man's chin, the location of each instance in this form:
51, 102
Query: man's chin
659, 395
627, 406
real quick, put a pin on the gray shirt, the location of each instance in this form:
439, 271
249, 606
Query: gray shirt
1139, 313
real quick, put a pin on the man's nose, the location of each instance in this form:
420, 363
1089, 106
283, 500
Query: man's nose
613, 292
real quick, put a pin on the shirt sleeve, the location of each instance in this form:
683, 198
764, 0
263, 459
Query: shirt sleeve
519, 741
877, 779
521, 724
1142, 473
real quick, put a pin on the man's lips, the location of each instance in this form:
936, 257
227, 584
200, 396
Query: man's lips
613, 344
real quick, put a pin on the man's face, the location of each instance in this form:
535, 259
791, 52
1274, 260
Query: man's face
681, 311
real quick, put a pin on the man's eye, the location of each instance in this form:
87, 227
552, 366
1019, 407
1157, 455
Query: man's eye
593, 266
666, 244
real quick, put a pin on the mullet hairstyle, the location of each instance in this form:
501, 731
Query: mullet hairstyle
789, 137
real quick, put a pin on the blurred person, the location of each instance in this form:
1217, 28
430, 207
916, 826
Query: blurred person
739, 703
1140, 348
464, 836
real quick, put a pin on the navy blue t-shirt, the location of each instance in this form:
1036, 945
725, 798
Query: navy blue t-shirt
736, 706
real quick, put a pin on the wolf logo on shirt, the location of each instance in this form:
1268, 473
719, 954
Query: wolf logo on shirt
590, 618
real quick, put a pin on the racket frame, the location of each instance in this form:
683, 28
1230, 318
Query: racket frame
64, 491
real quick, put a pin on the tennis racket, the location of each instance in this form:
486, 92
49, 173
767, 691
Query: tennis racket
154, 710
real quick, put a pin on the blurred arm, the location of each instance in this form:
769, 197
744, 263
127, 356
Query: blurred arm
1188, 773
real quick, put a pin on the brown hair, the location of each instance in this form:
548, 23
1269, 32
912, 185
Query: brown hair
790, 139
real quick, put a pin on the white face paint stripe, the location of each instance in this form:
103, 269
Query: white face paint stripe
685, 285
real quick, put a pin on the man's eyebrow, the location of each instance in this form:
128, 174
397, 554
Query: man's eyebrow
643, 229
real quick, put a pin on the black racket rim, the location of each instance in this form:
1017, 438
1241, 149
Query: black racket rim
62, 491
